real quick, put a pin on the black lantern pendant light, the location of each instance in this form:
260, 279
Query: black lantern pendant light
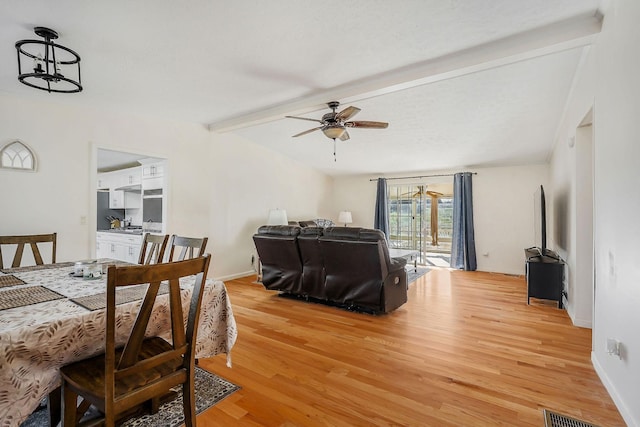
55, 68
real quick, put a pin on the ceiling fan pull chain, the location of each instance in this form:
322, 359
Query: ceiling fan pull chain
334, 150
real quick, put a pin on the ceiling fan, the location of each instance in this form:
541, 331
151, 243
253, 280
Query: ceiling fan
422, 193
334, 124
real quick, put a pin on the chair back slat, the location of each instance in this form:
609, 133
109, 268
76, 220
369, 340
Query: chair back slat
188, 247
17, 259
177, 321
36, 254
153, 248
134, 343
33, 241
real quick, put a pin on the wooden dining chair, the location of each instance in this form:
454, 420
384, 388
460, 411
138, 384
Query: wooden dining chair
188, 247
32, 240
124, 377
153, 248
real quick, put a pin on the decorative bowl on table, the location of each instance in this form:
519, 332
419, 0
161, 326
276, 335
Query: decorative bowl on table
87, 269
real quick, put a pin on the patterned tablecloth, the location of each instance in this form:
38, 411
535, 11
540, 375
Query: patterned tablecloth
36, 340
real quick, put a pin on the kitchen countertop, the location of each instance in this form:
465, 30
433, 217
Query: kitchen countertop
131, 231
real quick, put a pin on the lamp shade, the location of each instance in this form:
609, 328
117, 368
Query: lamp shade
345, 218
277, 217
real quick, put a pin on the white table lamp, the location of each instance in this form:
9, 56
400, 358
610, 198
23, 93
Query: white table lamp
277, 217
345, 218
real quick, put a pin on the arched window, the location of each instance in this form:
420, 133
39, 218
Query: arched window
16, 155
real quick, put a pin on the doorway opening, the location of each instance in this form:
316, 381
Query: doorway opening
421, 219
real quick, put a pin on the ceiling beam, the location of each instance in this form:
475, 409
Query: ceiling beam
568, 34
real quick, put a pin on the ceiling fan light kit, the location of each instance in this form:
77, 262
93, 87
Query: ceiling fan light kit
334, 131
56, 68
334, 125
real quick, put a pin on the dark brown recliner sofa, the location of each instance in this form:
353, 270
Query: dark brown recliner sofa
345, 266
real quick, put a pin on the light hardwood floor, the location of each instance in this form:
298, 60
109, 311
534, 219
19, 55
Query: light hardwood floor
466, 350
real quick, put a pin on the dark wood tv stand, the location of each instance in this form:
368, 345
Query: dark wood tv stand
545, 275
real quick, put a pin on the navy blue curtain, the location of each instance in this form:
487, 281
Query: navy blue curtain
463, 243
381, 219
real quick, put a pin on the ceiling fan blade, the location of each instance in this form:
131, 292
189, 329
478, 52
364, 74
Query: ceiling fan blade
345, 136
347, 113
303, 118
366, 124
306, 132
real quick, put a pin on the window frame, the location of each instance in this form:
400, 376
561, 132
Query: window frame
24, 148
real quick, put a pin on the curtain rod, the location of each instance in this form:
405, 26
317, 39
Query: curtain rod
423, 176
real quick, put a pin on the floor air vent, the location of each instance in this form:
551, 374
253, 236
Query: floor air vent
552, 419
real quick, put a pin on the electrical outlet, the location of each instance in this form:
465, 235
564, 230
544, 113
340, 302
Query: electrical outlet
83, 220
613, 347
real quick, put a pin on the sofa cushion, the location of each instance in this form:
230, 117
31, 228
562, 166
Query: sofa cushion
354, 233
279, 230
311, 231
309, 223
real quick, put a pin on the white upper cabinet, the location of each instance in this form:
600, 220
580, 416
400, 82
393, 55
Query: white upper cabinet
120, 178
153, 170
131, 176
153, 176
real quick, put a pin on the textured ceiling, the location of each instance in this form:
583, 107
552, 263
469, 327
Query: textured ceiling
462, 83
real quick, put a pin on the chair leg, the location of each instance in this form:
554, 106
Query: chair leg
154, 405
69, 408
189, 403
54, 406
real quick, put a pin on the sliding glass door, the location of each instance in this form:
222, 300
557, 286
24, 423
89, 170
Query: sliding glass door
420, 219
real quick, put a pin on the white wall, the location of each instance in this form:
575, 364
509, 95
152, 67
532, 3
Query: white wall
219, 185
502, 207
247, 181
610, 83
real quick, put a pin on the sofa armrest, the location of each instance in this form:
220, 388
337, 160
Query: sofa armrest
394, 289
396, 264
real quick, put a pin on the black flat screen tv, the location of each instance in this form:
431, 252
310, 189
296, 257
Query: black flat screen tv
540, 220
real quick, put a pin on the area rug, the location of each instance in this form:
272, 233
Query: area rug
438, 260
210, 389
412, 275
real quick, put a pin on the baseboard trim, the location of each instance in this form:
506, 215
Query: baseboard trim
613, 392
235, 276
583, 323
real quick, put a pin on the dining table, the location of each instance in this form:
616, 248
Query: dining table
50, 317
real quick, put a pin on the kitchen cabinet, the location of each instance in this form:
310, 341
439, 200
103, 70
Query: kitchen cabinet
116, 199
153, 170
153, 176
131, 176
120, 178
101, 183
119, 199
107, 180
132, 200
123, 247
